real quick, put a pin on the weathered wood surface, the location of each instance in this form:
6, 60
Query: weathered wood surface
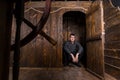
112, 39
112, 36
113, 70
94, 29
95, 58
113, 33
112, 45
67, 73
39, 52
112, 52
60, 4
112, 60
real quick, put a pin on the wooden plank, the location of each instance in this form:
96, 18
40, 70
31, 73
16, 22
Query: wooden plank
94, 24
112, 45
46, 48
96, 60
112, 33
108, 77
95, 74
112, 70
113, 20
112, 60
39, 46
59, 39
53, 35
112, 52
95, 27
112, 28
47, 44
38, 4
95, 7
111, 14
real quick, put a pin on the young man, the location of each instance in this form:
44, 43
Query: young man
72, 51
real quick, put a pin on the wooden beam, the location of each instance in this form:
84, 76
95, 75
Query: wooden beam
52, 41
40, 25
5, 37
19, 14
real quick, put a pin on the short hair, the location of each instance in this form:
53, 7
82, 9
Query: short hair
72, 34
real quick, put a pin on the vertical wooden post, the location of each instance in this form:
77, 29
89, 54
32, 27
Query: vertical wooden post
5, 35
19, 14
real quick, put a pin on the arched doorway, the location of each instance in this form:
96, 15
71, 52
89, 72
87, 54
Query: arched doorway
93, 38
75, 22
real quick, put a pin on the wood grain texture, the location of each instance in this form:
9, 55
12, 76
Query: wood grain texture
39, 52
66, 73
112, 39
95, 57
112, 52
112, 33
112, 60
95, 46
113, 71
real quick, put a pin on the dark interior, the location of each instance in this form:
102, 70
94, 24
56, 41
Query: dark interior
75, 22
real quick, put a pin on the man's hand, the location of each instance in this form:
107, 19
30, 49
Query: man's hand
76, 58
73, 58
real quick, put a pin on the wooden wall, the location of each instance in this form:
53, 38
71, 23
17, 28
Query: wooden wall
39, 52
112, 40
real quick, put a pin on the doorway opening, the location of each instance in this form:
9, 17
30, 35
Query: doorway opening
75, 22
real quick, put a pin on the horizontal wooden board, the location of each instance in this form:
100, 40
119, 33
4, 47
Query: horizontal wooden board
109, 9
112, 45
112, 28
112, 39
112, 33
112, 60
113, 71
113, 19
112, 52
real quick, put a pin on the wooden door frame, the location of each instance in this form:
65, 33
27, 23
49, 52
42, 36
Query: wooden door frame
60, 26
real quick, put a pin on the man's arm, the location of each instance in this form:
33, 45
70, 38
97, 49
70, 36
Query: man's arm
66, 48
80, 48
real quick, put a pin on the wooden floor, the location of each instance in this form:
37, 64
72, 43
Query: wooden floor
66, 73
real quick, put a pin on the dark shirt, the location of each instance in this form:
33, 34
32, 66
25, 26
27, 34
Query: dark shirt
73, 48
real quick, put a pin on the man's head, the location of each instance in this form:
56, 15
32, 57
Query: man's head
72, 37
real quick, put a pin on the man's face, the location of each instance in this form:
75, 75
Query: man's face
72, 38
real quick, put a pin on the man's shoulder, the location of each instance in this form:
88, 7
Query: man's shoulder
66, 42
77, 42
